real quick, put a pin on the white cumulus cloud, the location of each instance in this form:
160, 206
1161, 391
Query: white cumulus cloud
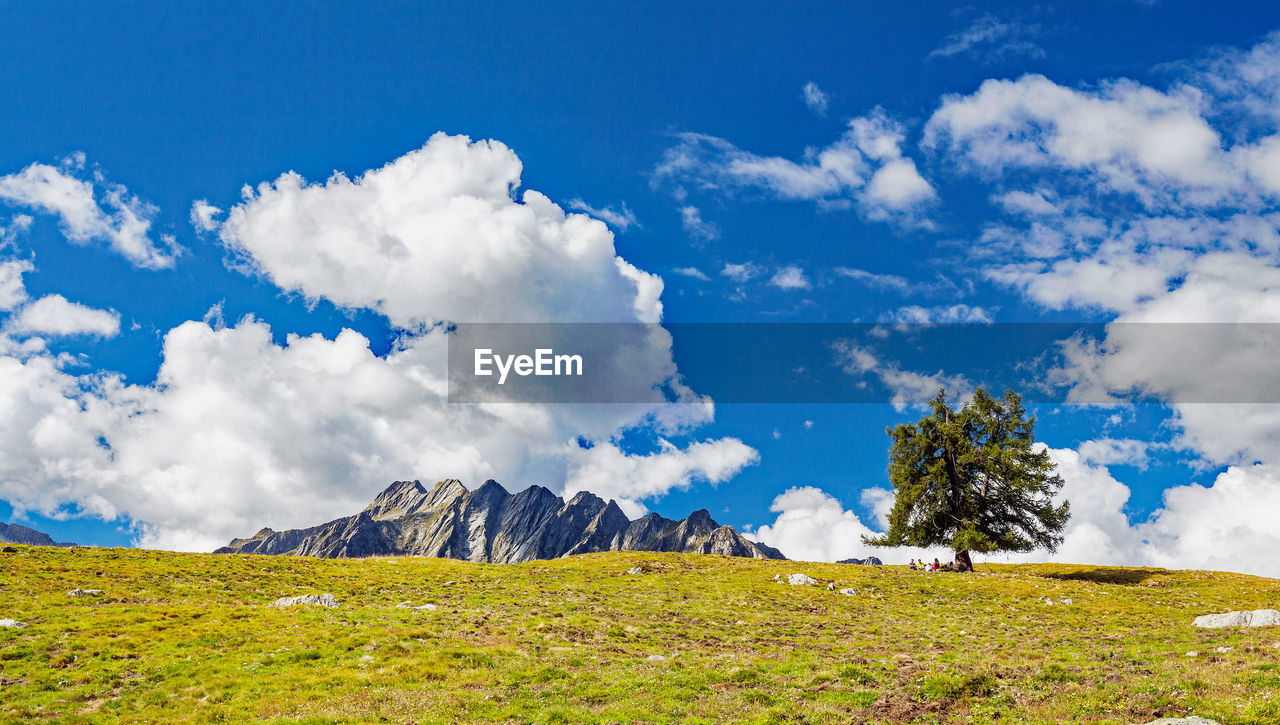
55, 315
90, 212
239, 431
436, 235
789, 277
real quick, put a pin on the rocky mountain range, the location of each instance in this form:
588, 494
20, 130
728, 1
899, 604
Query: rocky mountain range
490, 524
17, 534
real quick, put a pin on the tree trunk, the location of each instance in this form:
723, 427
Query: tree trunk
963, 562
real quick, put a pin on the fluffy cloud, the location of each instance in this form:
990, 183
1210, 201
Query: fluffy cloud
55, 315
204, 216
1186, 177
120, 219
238, 431
865, 167
1111, 451
789, 277
812, 525
12, 291
741, 272
51, 315
814, 98
607, 471
1132, 138
436, 236
1226, 526
1223, 526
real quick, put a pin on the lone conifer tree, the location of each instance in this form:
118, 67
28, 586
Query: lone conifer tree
970, 480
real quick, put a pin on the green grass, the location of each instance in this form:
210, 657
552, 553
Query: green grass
186, 637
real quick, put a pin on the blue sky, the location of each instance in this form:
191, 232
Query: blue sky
1085, 161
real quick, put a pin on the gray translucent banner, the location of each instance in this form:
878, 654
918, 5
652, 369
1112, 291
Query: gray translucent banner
1086, 363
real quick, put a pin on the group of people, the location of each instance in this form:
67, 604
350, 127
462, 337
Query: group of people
922, 565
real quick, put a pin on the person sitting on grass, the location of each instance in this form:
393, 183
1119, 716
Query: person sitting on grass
912, 565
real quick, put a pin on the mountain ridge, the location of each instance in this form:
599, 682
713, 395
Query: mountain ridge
493, 525
19, 534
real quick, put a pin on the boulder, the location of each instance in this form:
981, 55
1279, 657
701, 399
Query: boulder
1183, 721
849, 592
78, 592
1255, 618
12, 624
635, 570
421, 607
309, 600
796, 580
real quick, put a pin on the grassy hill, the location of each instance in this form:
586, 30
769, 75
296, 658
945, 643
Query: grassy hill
178, 637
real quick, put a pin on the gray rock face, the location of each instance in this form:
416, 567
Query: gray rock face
15, 534
306, 600
1255, 618
869, 561
491, 525
796, 580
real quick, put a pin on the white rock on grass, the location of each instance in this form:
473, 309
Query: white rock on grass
1255, 618
849, 592
1184, 721
657, 658
78, 592
635, 570
306, 600
796, 580
12, 624
409, 605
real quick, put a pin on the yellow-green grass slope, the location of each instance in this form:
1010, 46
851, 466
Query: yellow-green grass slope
187, 637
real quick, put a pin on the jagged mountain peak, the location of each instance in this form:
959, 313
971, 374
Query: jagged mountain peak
490, 524
702, 519
397, 500
492, 486
583, 498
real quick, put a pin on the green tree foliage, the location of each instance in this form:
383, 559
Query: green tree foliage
972, 480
